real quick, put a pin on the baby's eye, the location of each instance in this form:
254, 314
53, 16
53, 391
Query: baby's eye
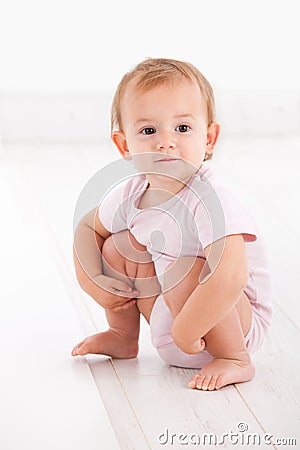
148, 130
182, 128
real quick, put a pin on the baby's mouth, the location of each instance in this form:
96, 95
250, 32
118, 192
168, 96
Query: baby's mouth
168, 159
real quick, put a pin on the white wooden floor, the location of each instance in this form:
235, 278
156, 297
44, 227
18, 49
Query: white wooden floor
49, 400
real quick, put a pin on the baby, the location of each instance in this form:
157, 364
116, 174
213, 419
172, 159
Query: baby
170, 242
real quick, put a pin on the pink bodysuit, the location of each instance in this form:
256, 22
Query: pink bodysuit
201, 213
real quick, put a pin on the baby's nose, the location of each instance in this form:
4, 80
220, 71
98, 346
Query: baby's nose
165, 142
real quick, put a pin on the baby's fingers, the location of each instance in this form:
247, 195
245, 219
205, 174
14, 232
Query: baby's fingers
123, 289
131, 293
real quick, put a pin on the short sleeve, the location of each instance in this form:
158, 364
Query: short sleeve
219, 213
112, 209
117, 205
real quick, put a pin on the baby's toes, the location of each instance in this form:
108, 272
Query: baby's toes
221, 381
203, 382
74, 351
83, 349
193, 382
79, 350
198, 380
213, 383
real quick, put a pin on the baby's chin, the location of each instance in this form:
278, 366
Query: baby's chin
165, 166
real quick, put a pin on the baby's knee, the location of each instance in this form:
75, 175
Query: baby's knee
122, 252
125, 245
108, 249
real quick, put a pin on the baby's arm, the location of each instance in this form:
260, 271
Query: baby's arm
216, 295
89, 237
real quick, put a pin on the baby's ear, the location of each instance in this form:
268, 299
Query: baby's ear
213, 132
119, 139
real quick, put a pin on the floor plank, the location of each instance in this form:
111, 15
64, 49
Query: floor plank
274, 394
166, 406
48, 400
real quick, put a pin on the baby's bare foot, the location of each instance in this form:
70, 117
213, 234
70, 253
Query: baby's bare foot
108, 343
220, 372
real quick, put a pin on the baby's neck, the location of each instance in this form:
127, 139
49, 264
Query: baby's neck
153, 197
156, 195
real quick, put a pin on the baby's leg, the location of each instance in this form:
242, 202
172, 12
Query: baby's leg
127, 260
225, 342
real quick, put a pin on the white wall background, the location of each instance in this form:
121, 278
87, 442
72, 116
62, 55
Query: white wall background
79, 48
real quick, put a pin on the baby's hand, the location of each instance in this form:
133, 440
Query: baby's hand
189, 347
117, 295
198, 346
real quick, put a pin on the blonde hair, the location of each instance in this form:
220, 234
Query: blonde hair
157, 71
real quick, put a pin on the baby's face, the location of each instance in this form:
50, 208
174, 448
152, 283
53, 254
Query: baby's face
166, 128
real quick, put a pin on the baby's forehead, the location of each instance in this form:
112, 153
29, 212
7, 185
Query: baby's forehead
144, 84
135, 90
177, 98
